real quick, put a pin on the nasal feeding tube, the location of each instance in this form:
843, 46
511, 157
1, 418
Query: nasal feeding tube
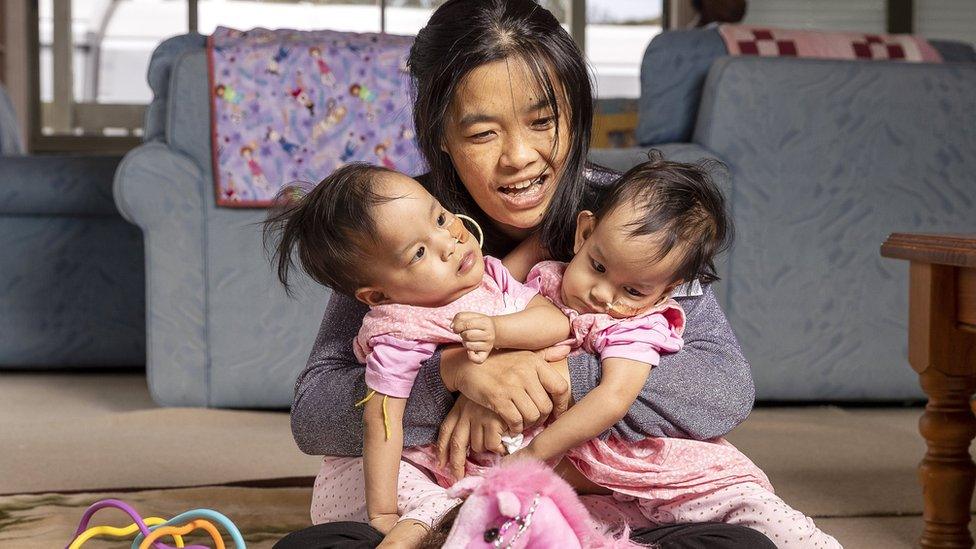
460, 233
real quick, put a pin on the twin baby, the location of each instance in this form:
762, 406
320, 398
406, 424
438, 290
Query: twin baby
390, 244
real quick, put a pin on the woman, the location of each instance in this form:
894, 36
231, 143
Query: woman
503, 112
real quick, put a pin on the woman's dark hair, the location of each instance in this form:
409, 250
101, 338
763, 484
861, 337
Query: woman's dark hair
681, 203
326, 227
463, 35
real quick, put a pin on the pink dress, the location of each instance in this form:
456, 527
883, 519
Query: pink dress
658, 469
642, 338
654, 469
395, 339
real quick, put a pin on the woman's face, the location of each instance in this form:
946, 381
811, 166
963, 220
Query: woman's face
501, 137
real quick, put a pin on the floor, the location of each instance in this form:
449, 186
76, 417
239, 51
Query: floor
70, 440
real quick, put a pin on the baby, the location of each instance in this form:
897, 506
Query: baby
660, 226
379, 236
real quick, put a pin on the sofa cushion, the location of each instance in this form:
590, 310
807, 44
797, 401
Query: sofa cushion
160, 65
188, 110
672, 74
955, 52
828, 158
58, 185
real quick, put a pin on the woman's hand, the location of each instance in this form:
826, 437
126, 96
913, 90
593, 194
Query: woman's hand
520, 386
468, 425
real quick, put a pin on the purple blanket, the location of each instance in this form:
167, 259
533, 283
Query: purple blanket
293, 106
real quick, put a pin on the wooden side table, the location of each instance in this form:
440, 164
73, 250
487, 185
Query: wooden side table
942, 350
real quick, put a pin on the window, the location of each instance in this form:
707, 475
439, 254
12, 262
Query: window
617, 33
87, 54
340, 15
92, 55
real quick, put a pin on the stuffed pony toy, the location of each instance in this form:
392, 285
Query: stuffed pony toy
525, 505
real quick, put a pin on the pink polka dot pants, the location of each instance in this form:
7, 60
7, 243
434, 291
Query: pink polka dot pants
749, 505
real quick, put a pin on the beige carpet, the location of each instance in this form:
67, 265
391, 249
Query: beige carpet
98, 432
833, 462
852, 469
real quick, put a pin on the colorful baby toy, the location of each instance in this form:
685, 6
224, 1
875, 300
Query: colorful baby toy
525, 505
152, 529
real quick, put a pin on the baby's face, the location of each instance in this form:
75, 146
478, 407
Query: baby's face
423, 255
613, 272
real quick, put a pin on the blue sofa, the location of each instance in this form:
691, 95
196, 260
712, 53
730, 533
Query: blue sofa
71, 269
220, 331
827, 158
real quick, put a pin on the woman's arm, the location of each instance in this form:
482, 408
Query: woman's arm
701, 392
327, 391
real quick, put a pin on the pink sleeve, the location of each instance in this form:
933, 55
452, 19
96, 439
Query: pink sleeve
642, 339
511, 287
545, 278
392, 366
534, 278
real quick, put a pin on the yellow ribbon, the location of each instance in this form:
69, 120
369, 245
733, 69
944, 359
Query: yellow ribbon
386, 415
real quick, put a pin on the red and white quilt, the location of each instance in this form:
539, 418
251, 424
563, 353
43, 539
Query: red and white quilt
769, 42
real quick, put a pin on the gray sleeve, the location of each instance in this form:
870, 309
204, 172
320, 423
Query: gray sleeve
324, 416
701, 392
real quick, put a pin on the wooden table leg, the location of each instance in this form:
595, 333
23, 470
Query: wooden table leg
947, 472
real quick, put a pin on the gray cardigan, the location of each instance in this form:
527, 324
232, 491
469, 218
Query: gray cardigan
701, 392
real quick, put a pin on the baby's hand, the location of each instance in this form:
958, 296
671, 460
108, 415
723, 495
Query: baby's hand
477, 333
385, 522
521, 455
407, 534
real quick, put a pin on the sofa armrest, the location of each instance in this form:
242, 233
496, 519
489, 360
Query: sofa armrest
153, 183
58, 185
161, 191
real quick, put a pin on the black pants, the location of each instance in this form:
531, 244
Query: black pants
706, 535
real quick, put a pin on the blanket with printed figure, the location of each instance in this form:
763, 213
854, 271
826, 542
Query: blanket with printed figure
292, 106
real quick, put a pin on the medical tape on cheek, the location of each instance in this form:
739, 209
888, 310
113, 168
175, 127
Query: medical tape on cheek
619, 310
462, 232
457, 230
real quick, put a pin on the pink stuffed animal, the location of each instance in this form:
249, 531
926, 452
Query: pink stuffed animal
525, 505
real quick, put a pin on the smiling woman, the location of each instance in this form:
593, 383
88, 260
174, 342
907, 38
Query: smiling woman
503, 142
503, 114
511, 107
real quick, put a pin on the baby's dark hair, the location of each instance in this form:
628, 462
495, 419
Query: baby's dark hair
326, 228
680, 202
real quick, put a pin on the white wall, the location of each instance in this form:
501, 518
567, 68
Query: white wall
955, 19
852, 15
